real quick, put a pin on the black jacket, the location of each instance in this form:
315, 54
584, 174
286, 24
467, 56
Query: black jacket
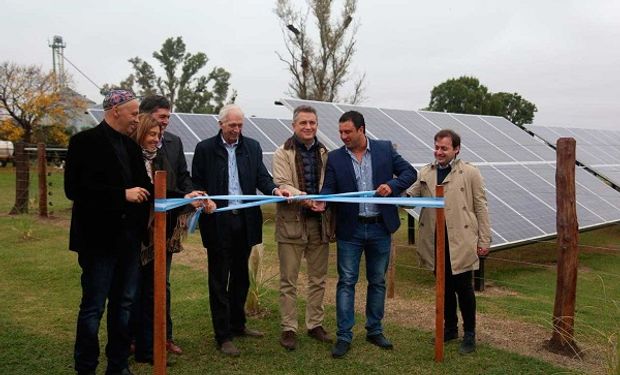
94, 182
210, 173
173, 151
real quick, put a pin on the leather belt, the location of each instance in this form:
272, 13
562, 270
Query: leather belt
370, 219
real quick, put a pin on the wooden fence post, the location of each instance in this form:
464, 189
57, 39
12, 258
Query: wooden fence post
391, 272
562, 340
159, 279
42, 170
22, 180
440, 275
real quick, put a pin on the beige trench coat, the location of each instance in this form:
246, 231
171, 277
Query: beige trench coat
290, 223
466, 211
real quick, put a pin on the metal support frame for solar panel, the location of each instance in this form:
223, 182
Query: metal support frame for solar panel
598, 150
519, 170
193, 128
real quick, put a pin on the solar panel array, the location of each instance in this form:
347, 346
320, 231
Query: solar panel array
518, 169
193, 128
597, 149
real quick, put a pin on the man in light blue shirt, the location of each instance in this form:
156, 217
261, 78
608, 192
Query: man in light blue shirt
230, 163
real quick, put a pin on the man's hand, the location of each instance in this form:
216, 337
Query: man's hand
384, 190
307, 203
482, 252
194, 194
137, 195
209, 206
281, 192
318, 206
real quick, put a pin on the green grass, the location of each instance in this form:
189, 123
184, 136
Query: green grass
41, 292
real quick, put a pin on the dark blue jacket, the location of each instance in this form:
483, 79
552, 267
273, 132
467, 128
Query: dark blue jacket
340, 178
210, 173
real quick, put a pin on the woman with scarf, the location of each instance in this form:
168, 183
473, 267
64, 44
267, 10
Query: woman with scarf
148, 135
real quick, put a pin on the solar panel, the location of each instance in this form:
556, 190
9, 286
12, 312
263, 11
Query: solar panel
193, 128
597, 149
519, 170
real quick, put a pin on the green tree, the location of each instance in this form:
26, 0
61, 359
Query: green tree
467, 95
181, 81
320, 69
513, 107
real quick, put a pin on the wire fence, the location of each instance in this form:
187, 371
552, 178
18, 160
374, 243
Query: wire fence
33, 187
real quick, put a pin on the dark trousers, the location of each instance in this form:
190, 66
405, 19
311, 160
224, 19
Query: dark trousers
459, 287
143, 321
112, 277
229, 279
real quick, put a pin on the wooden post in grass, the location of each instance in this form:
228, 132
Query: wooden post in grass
42, 170
22, 180
440, 275
562, 340
391, 272
159, 277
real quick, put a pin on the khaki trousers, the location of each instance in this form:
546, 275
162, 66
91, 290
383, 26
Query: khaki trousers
316, 254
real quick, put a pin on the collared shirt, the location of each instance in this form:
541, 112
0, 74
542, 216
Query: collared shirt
234, 187
363, 179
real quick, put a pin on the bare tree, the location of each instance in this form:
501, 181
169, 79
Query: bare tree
320, 69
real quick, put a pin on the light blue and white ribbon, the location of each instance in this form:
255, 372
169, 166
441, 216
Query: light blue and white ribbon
162, 205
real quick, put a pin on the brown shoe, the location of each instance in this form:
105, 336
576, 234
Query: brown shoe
248, 332
320, 334
229, 349
289, 340
173, 348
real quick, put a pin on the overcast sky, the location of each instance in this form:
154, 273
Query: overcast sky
564, 56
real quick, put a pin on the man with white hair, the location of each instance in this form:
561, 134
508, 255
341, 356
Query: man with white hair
107, 182
230, 163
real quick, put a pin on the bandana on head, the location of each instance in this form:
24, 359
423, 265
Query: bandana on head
117, 97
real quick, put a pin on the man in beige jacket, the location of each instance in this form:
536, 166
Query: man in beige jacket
299, 167
468, 232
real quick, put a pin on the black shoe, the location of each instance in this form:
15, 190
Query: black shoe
469, 343
248, 332
380, 341
448, 335
87, 372
320, 334
340, 349
288, 340
229, 349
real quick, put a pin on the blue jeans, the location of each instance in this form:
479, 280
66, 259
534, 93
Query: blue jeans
113, 277
374, 241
